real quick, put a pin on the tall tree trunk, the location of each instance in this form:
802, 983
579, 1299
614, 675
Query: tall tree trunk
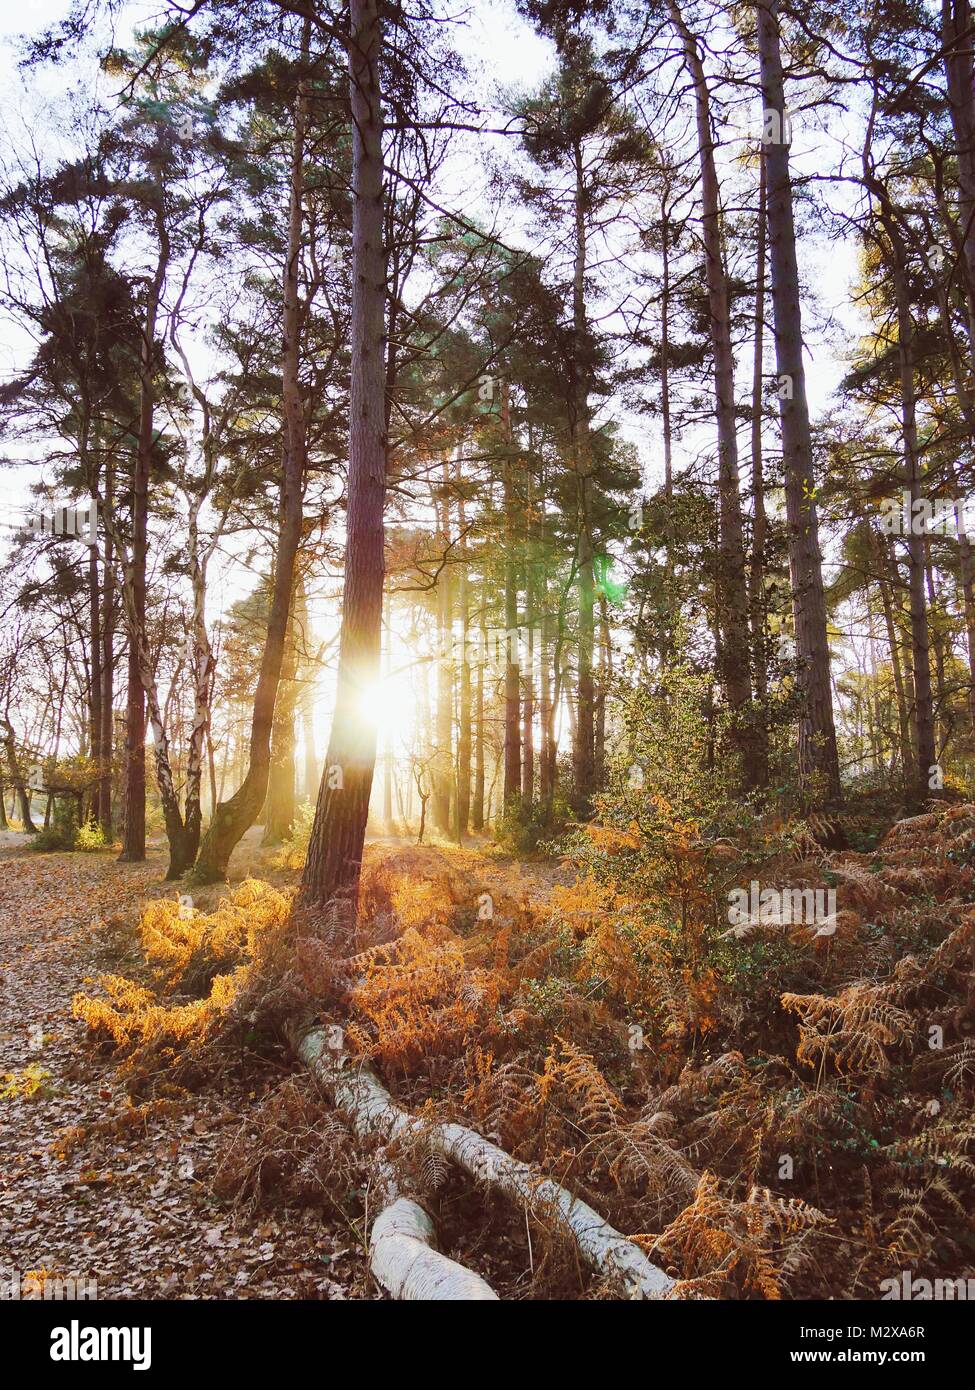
957, 40
180, 846
179, 860
756, 572
477, 803
388, 762
584, 747
203, 665
107, 740
667, 635
528, 688
546, 761
605, 685
665, 375
512, 645
233, 818
966, 569
96, 721
937, 624
334, 862
279, 805
464, 722
920, 634
966, 561
886, 583
874, 707
443, 762
818, 758
16, 780
561, 698
898, 267
732, 591
134, 839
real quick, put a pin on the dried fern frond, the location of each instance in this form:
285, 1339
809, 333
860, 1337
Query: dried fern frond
852, 1030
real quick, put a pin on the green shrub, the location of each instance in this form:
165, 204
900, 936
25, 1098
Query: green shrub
60, 834
294, 849
524, 830
90, 837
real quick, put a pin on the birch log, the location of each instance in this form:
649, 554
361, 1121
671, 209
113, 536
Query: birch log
404, 1258
372, 1110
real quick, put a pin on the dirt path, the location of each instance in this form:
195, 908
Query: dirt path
129, 1207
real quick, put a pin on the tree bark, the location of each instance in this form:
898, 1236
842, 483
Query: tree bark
584, 745
731, 587
134, 838
96, 721
920, 634
233, 818
404, 1258
203, 664
477, 803
966, 562
898, 268
443, 765
373, 1110
279, 805
464, 722
818, 758
756, 572
957, 40
512, 645
108, 664
528, 689
16, 780
334, 862
885, 586
546, 760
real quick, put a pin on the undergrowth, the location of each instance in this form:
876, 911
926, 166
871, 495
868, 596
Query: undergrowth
770, 1111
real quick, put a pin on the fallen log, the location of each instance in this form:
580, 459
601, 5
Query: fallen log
358, 1091
403, 1254
404, 1258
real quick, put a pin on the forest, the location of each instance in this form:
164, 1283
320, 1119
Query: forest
487, 652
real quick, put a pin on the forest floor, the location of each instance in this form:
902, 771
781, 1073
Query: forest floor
785, 1113
130, 1204
94, 1186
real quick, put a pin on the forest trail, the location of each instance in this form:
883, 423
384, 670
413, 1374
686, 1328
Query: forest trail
129, 1203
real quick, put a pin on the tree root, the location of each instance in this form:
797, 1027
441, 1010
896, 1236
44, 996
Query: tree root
372, 1110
